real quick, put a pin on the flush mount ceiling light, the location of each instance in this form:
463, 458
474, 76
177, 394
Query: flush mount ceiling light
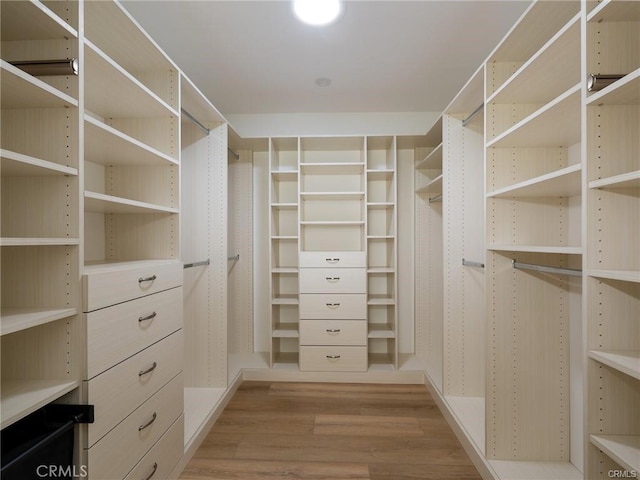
318, 12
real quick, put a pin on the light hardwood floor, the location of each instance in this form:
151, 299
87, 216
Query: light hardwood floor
327, 431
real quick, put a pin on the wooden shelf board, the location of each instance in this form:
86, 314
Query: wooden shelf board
381, 205
107, 146
615, 11
284, 173
134, 100
380, 174
623, 449
14, 164
470, 414
555, 124
333, 168
101, 203
381, 301
434, 186
285, 330
21, 90
565, 182
536, 249
284, 206
381, 331
380, 237
32, 21
433, 161
625, 180
285, 300
285, 358
375, 270
333, 196
378, 361
285, 270
338, 223
16, 319
625, 361
284, 237
625, 91
95, 268
522, 470
37, 242
623, 275
19, 398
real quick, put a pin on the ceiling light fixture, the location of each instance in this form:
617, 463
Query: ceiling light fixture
318, 12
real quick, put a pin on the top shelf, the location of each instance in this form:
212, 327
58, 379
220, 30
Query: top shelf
615, 11
32, 20
433, 161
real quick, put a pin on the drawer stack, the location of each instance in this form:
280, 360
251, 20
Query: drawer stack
333, 311
134, 362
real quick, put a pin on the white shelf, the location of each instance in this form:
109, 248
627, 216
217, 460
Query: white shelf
285, 301
555, 124
536, 249
433, 161
625, 361
623, 449
285, 206
381, 301
333, 168
434, 186
615, 11
19, 398
37, 242
565, 182
625, 91
28, 20
380, 269
14, 164
285, 330
285, 174
380, 174
96, 268
284, 237
625, 180
16, 319
338, 223
107, 146
285, 270
21, 90
101, 203
623, 275
380, 331
134, 100
381, 205
332, 195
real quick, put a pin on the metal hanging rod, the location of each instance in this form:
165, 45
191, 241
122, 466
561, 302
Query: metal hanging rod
198, 264
196, 121
235, 257
437, 198
468, 263
236, 155
67, 66
466, 121
546, 269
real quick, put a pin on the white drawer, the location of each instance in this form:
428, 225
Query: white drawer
116, 454
336, 305
107, 285
333, 259
121, 389
158, 463
118, 332
333, 359
333, 332
333, 280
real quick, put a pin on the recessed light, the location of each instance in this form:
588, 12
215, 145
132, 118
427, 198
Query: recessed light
322, 82
318, 12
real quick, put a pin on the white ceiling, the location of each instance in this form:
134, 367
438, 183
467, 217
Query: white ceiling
254, 57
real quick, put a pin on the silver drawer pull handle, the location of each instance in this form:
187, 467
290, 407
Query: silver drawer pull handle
148, 424
333, 330
333, 357
332, 305
332, 260
332, 279
147, 317
148, 370
153, 471
147, 279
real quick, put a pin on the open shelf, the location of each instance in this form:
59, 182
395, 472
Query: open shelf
433, 161
625, 91
337, 196
14, 164
17, 319
29, 20
381, 331
434, 186
615, 11
536, 249
565, 182
285, 300
623, 275
285, 330
37, 241
625, 180
101, 203
626, 361
623, 449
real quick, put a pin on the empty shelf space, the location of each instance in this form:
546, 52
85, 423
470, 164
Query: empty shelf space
333, 168
625, 361
14, 164
37, 242
19, 398
625, 180
32, 21
285, 174
615, 11
16, 319
96, 268
565, 182
382, 174
284, 206
623, 275
285, 270
21, 90
101, 203
285, 330
293, 300
623, 449
536, 249
373, 300
434, 186
337, 196
433, 161
107, 146
625, 91
381, 331
327, 222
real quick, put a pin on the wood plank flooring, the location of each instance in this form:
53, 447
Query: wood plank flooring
327, 431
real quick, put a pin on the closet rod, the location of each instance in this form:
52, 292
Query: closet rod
545, 269
195, 120
466, 121
67, 66
437, 198
198, 264
468, 263
235, 257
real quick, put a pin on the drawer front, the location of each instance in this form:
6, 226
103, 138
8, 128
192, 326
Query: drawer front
333, 332
116, 454
118, 332
121, 389
333, 259
163, 457
108, 286
333, 280
333, 359
338, 306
